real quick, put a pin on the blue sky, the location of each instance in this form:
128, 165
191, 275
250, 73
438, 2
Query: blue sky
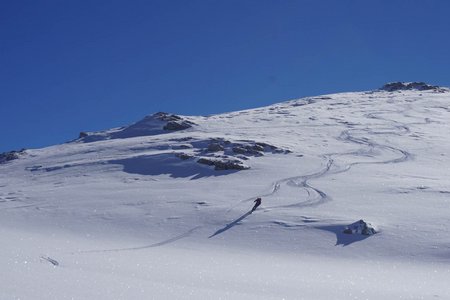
71, 66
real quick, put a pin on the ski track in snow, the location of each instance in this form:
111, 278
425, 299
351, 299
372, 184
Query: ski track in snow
159, 244
317, 196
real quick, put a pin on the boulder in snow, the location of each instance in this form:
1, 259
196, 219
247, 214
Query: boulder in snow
360, 227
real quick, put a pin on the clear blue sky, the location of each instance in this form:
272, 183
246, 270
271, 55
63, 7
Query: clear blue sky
70, 66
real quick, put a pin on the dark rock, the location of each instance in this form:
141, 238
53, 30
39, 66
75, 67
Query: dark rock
360, 227
182, 146
183, 139
205, 161
215, 147
11, 155
223, 164
184, 156
248, 150
177, 125
230, 165
239, 150
174, 122
407, 86
163, 116
82, 135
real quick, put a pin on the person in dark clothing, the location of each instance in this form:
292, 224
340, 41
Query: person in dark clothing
257, 203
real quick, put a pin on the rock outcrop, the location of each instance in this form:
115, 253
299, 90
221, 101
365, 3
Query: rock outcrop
223, 154
10, 155
223, 163
407, 86
155, 124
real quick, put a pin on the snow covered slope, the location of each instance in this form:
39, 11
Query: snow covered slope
161, 209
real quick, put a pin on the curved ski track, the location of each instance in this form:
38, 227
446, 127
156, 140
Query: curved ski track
317, 196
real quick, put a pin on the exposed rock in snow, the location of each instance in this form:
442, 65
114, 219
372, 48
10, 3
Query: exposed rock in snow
247, 150
10, 155
184, 156
360, 227
404, 86
158, 123
224, 163
215, 147
224, 154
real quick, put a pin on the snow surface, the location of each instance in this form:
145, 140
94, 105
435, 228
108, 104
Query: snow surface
126, 218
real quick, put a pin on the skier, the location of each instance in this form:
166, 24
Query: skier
257, 203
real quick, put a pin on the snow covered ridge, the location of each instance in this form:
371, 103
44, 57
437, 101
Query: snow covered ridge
217, 152
157, 123
163, 208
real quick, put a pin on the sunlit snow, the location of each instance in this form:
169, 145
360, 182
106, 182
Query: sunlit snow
118, 216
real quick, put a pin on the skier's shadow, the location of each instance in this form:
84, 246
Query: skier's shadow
230, 225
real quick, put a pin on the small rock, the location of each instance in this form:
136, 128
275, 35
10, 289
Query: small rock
239, 150
184, 156
215, 147
230, 165
182, 146
248, 150
205, 161
223, 164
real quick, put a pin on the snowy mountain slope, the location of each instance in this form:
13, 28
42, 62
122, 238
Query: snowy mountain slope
160, 211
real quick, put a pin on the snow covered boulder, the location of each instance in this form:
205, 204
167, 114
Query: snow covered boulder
360, 227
